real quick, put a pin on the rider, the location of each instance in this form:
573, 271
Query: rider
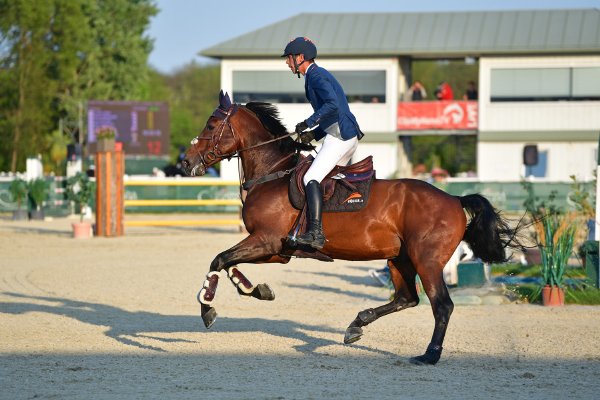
331, 119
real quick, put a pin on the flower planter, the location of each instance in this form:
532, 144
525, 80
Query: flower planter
104, 145
82, 230
20, 215
37, 215
553, 296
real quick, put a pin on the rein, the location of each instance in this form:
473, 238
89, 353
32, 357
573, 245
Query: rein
270, 177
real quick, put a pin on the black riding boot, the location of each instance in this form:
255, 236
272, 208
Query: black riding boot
314, 237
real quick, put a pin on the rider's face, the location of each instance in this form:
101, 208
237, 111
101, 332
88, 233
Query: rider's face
290, 61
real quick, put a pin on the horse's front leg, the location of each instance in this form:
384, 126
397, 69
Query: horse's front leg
251, 249
262, 291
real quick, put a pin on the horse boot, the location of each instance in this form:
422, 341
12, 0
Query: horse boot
314, 236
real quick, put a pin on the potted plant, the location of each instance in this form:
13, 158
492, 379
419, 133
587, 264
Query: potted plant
18, 192
584, 202
105, 139
536, 209
38, 190
556, 234
79, 190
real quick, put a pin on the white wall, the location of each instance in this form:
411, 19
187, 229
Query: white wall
535, 116
384, 155
503, 161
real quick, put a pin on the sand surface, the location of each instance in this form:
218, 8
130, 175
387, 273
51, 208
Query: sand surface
117, 318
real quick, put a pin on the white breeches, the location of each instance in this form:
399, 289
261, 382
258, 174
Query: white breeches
333, 152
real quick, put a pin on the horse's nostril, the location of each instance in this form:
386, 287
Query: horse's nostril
185, 163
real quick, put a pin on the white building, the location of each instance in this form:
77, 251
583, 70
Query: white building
539, 81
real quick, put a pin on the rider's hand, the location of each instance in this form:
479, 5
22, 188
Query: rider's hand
305, 137
301, 127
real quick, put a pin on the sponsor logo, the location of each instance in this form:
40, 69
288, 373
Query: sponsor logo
353, 198
455, 112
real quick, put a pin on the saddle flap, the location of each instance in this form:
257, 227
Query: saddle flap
344, 189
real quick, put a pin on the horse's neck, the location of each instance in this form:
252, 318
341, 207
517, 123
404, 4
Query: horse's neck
264, 160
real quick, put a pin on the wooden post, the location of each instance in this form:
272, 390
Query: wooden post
110, 168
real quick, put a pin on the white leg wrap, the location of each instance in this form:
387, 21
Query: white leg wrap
239, 280
209, 288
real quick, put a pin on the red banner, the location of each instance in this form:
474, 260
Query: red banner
437, 115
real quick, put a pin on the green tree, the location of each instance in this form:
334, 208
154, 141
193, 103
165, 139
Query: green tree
192, 93
55, 55
26, 95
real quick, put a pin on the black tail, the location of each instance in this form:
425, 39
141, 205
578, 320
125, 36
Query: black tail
488, 234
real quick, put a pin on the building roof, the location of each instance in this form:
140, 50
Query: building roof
427, 34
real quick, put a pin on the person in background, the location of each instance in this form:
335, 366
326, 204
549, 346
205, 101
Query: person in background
471, 92
444, 91
417, 92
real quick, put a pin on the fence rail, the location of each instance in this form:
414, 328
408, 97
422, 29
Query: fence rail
183, 203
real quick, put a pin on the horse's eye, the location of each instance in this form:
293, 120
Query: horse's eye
210, 127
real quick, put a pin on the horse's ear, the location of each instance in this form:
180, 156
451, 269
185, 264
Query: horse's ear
224, 100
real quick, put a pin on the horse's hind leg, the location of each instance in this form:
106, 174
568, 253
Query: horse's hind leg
442, 307
405, 296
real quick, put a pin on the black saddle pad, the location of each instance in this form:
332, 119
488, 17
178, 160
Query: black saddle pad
351, 193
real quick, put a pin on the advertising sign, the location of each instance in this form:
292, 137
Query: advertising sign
451, 115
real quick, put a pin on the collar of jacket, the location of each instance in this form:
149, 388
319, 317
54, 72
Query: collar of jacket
308, 69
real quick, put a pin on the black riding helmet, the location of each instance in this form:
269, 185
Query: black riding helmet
300, 45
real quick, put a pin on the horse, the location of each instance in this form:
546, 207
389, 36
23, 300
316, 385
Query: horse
410, 223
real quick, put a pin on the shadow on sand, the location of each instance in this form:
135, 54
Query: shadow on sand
127, 326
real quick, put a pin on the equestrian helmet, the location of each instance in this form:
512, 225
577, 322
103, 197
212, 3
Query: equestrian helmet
301, 45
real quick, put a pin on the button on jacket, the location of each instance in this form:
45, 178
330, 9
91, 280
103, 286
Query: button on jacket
329, 102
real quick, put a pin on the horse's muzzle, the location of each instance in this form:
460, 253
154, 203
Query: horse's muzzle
198, 170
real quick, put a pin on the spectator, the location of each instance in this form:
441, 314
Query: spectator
471, 92
417, 92
444, 91
439, 174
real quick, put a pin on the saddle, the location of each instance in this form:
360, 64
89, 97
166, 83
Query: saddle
345, 188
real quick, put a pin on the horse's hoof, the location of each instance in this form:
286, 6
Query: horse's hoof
353, 334
209, 317
431, 357
262, 291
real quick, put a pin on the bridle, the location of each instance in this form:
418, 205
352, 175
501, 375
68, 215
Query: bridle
216, 154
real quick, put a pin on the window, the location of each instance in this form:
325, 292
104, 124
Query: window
362, 86
540, 169
282, 87
545, 84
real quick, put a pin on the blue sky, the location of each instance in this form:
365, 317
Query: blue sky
184, 27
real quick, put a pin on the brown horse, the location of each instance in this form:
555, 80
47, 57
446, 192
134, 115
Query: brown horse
413, 225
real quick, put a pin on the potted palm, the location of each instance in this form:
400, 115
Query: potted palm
18, 192
556, 234
79, 190
38, 190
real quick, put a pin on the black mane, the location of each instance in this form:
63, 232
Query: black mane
268, 115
